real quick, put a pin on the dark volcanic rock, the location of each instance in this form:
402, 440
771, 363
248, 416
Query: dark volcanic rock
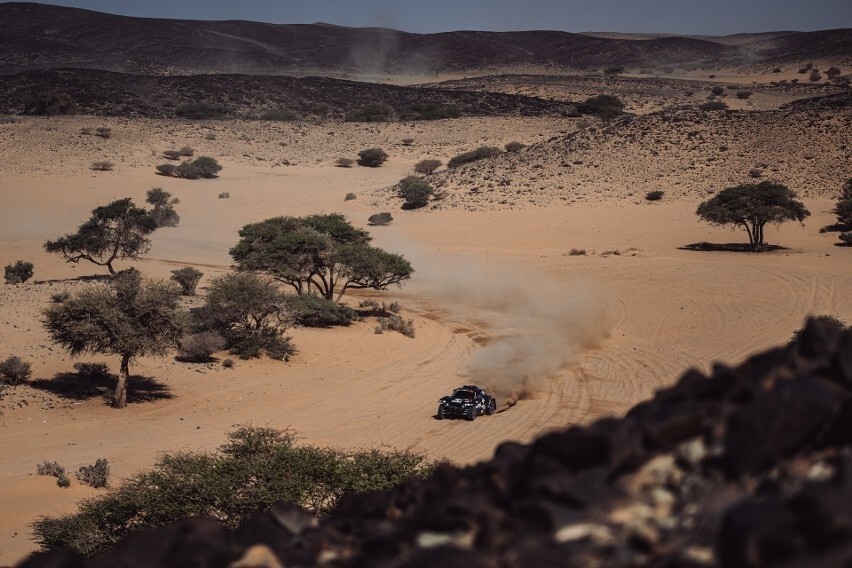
750, 466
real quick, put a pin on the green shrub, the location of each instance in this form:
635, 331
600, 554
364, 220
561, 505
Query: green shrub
188, 278
310, 310
479, 154
14, 371
427, 167
383, 218
254, 469
372, 112
50, 103
655, 195
280, 115
372, 157
203, 110
415, 191
95, 475
19, 272
199, 347
163, 212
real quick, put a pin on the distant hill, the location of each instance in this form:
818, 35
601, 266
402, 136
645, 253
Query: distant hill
34, 36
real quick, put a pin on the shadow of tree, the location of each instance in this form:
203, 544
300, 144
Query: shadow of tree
83, 386
84, 278
729, 247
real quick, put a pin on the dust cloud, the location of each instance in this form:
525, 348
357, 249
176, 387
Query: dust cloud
535, 328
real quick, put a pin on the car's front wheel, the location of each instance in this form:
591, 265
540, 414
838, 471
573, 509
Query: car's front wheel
491, 407
471, 413
440, 414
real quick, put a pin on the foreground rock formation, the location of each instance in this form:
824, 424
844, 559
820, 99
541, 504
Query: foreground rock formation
751, 466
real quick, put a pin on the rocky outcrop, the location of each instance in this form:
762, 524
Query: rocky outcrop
749, 466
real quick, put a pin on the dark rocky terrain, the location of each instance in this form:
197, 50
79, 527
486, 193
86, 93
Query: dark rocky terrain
40, 36
749, 466
106, 93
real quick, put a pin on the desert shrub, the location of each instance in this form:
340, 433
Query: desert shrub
166, 169
187, 151
717, 90
247, 344
713, 105
756, 172
832, 72
427, 167
101, 166
383, 218
228, 363
163, 212
344, 162
416, 192
224, 195
202, 110
846, 238
372, 112
429, 111
310, 310
407, 141
280, 115
349, 197
828, 320
814, 76
479, 154
395, 322
655, 195
59, 297
514, 146
255, 468
208, 166
577, 252
95, 475
171, 154
92, 371
19, 272
380, 309
198, 347
103, 132
14, 370
614, 70
50, 103
743, 94
604, 106
188, 278
87, 130
53, 469
372, 157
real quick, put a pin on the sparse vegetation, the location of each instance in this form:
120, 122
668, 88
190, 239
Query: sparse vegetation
717, 90
407, 141
349, 197
743, 94
164, 213
224, 195
832, 73
713, 105
429, 111
14, 371
751, 207
480, 153
415, 191
166, 169
115, 231
54, 469
344, 162
280, 115
372, 112
128, 317
427, 167
103, 132
815, 76
199, 347
577, 252
310, 310
50, 103
395, 322
655, 195
604, 106
188, 279
203, 110
514, 146
101, 166
383, 218
372, 157
95, 475
59, 297
19, 272
201, 167
253, 470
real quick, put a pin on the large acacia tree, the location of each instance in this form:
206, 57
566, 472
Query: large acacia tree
128, 317
751, 207
321, 253
115, 231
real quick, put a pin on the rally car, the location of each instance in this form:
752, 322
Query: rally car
468, 401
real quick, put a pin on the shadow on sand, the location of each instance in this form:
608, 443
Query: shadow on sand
729, 247
81, 386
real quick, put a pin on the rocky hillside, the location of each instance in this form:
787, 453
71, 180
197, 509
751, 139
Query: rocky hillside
750, 466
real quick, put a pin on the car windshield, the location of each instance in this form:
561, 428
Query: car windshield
465, 394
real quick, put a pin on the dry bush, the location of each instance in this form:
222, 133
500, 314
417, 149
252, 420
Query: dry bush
95, 475
59, 297
381, 219
102, 166
14, 371
55, 470
427, 167
395, 322
514, 146
228, 363
19, 272
344, 163
407, 141
280, 115
172, 154
479, 154
224, 195
577, 252
655, 195
349, 197
103, 132
187, 151
743, 94
372, 157
199, 347
166, 169
188, 279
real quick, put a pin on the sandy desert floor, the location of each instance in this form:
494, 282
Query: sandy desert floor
595, 333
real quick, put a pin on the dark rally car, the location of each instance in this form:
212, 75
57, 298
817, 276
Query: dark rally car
468, 401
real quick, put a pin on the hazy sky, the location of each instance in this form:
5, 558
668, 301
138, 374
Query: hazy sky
716, 17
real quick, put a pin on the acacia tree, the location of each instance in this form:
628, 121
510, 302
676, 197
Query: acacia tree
128, 317
117, 230
318, 253
752, 206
